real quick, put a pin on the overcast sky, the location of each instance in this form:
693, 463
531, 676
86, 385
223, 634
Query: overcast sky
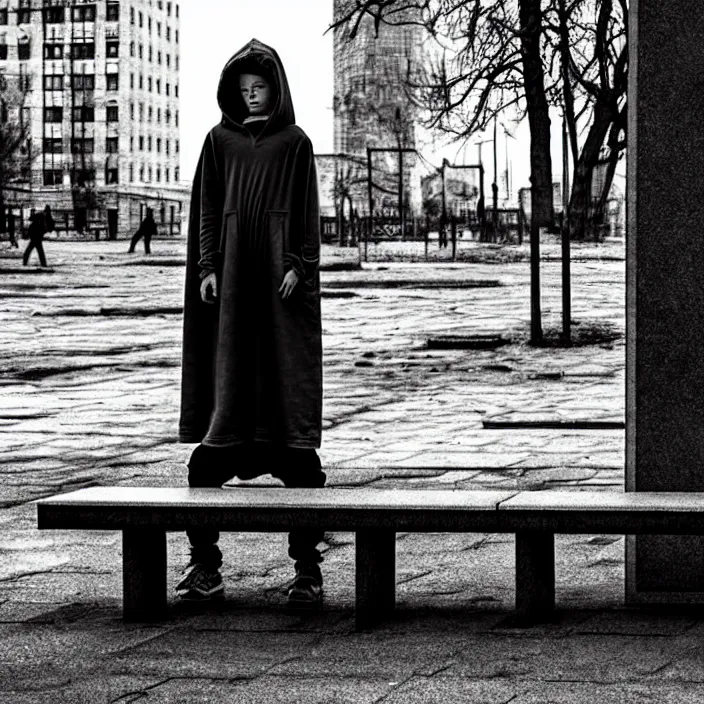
213, 30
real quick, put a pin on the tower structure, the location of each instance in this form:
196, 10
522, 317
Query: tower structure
98, 87
373, 107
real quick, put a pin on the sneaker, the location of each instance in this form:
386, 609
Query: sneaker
198, 583
306, 589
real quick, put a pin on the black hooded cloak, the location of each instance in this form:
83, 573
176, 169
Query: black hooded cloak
252, 362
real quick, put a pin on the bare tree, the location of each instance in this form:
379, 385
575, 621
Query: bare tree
589, 51
486, 60
14, 134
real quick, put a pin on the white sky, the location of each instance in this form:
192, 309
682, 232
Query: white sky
213, 30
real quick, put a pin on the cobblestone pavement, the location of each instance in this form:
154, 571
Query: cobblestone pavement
89, 369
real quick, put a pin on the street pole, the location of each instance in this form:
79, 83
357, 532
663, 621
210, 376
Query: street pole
566, 282
400, 192
369, 195
495, 189
536, 329
443, 220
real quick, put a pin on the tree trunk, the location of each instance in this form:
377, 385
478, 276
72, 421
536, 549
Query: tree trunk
538, 117
584, 168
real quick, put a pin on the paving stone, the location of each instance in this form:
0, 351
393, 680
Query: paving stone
635, 693
441, 690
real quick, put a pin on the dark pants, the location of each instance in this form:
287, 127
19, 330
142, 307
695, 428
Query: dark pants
34, 244
136, 237
296, 468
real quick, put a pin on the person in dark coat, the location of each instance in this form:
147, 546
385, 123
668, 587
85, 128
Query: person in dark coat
39, 225
251, 392
146, 229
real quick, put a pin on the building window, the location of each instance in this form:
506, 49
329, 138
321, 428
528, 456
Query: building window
131, 48
131, 143
176, 173
141, 51
131, 173
24, 15
3, 15
112, 48
83, 81
141, 173
53, 82
149, 84
23, 51
53, 51
83, 13
176, 141
111, 113
176, 118
166, 173
158, 115
158, 29
166, 145
53, 177
53, 15
176, 10
131, 15
111, 175
168, 116
141, 143
113, 12
158, 57
149, 174
149, 24
158, 179
112, 81
150, 53
3, 51
141, 19
176, 35
131, 80
82, 146
53, 145
83, 176
149, 143
131, 111
141, 112
83, 113
53, 114
82, 50
176, 60
141, 81
149, 114
168, 61
158, 145
168, 9
176, 90
168, 33
158, 86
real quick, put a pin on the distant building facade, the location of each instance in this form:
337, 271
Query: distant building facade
373, 109
99, 85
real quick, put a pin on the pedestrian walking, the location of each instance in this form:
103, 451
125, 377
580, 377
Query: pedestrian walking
252, 354
146, 229
39, 225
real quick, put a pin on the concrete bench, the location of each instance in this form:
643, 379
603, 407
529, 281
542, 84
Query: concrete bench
144, 515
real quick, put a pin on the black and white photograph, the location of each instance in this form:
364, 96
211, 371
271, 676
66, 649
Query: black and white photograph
351, 351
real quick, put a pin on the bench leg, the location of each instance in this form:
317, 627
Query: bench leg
535, 576
144, 574
375, 557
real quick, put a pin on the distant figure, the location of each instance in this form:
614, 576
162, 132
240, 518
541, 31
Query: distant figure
39, 225
11, 229
146, 229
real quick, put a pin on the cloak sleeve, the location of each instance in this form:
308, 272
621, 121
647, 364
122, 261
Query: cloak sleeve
304, 256
211, 203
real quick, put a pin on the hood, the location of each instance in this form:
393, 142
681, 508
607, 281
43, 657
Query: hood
252, 55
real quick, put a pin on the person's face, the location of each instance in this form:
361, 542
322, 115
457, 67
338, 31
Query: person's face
256, 93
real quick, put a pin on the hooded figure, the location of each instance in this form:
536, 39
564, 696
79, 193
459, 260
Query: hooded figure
252, 363
251, 389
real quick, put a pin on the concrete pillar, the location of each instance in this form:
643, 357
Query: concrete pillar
665, 286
